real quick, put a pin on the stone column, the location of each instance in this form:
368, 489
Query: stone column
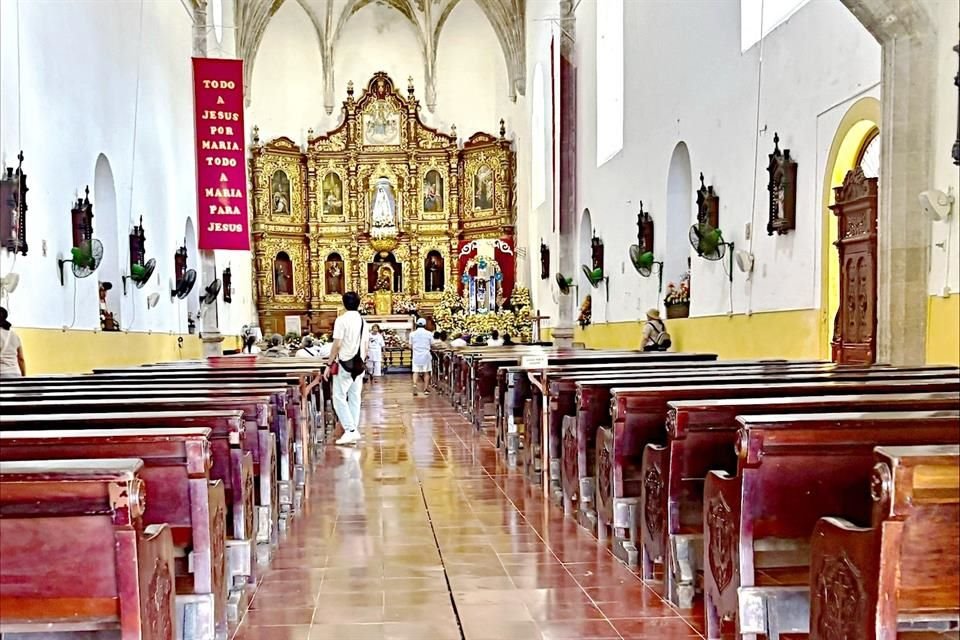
563, 331
209, 327
908, 39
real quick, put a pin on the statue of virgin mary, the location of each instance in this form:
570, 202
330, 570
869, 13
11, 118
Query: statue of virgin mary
383, 210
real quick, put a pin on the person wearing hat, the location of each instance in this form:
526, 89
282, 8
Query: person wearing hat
421, 342
655, 336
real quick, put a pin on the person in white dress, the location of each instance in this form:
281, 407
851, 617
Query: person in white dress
421, 343
375, 354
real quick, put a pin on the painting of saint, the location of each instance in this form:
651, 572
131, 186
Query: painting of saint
283, 275
483, 188
383, 208
433, 192
434, 272
381, 125
280, 193
332, 195
334, 276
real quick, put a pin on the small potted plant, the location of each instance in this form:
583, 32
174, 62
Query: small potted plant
677, 300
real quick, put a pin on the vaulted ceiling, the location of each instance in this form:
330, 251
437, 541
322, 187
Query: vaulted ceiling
426, 16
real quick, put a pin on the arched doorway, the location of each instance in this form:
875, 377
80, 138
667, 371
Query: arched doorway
856, 143
680, 211
106, 230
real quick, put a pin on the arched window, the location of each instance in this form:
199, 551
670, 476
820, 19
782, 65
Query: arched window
433, 272
609, 76
538, 139
868, 158
680, 213
283, 275
105, 230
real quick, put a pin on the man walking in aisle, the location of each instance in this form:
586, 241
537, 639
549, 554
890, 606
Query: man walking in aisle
347, 365
421, 343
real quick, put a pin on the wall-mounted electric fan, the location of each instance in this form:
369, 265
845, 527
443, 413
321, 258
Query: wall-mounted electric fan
84, 259
183, 288
709, 244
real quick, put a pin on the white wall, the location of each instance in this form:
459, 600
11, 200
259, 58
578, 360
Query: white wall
945, 173
287, 86
76, 100
703, 91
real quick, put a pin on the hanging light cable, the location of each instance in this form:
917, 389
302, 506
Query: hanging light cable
133, 150
756, 162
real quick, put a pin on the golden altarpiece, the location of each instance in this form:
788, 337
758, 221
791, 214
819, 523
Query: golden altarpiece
382, 205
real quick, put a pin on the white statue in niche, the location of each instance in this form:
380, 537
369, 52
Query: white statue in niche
383, 211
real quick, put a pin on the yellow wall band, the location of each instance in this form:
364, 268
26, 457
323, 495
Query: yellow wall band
943, 330
78, 351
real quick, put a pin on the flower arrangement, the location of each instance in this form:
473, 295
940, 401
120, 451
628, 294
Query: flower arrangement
367, 305
450, 316
404, 304
586, 312
678, 294
391, 339
323, 338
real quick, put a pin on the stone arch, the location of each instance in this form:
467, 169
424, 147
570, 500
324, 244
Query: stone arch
106, 229
679, 214
857, 126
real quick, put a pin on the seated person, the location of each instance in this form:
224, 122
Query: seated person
494, 340
507, 340
308, 348
277, 349
458, 341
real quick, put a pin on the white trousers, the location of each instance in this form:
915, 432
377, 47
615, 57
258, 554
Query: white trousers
346, 399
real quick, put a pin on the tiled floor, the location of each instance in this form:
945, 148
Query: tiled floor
421, 533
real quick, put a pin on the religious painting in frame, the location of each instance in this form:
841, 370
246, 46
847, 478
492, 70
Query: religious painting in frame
433, 195
279, 193
331, 195
483, 194
381, 125
783, 190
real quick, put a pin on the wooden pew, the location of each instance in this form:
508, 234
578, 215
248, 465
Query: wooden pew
74, 554
791, 471
180, 494
701, 435
260, 442
552, 396
592, 398
290, 484
903, 572
291, 481
639, 418
512, 387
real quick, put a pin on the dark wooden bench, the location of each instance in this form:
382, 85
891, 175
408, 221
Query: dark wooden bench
639, 418
903, 572
179, 493
259, 441
512, 387
791, 471
701, 435
291, 479
75, 554
562, 400
592, 401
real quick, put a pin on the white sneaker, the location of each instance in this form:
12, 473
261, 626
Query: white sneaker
349, 437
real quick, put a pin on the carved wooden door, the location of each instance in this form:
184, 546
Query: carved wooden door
855, 325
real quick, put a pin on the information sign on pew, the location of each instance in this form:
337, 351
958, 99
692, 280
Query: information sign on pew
534, 361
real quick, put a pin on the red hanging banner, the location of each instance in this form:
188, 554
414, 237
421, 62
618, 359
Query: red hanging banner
221, 158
